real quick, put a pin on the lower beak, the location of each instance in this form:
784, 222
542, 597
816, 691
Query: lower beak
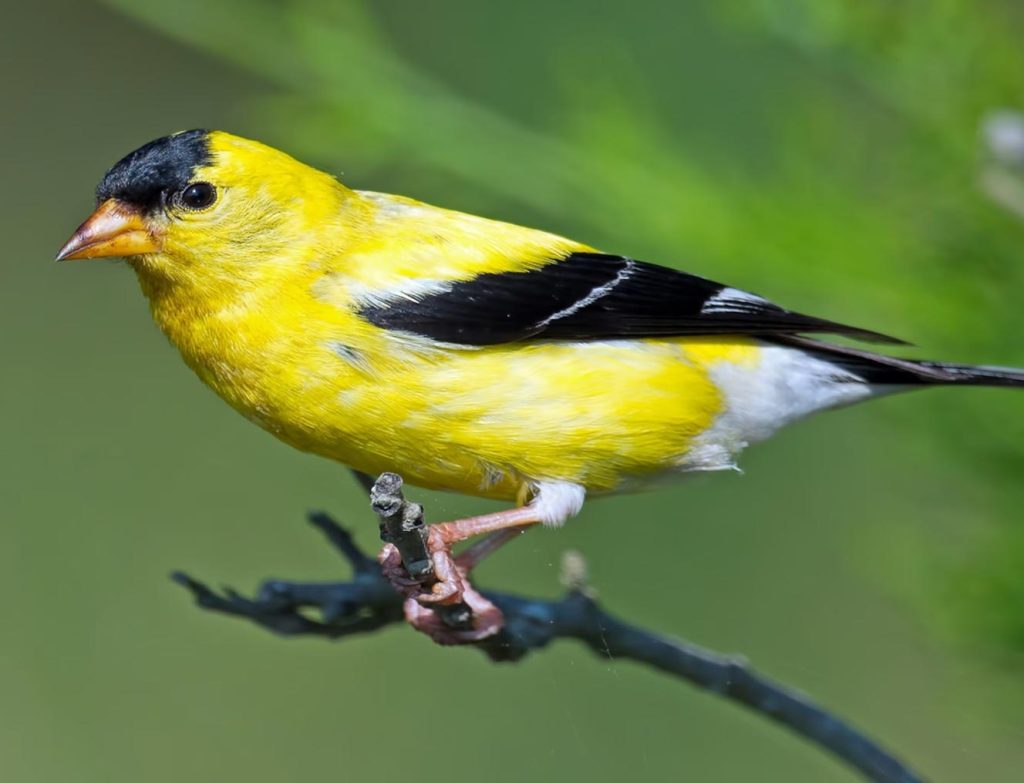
114, 229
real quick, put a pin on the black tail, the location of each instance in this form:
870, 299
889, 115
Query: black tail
887, 370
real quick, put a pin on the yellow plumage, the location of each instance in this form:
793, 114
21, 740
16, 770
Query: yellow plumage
464, 353
269, 324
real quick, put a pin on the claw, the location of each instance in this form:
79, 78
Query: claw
418, 562
487, 620
450, 581
423, 603
394, 571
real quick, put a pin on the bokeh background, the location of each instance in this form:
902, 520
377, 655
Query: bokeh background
853, 159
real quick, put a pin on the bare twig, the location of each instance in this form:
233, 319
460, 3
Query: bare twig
367, 603
401, 524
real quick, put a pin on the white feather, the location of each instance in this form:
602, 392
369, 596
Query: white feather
411, 290
595, 294
556, 501
785, 385
727, 300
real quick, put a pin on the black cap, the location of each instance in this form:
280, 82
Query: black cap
146, 177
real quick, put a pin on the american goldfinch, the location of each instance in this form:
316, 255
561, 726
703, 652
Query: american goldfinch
464, 353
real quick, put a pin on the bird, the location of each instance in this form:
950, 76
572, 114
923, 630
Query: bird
464, 353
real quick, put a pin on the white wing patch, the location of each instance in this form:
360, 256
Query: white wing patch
730, 300
411, 290
340, 290
593, 296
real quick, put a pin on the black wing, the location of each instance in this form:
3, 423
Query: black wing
591, 296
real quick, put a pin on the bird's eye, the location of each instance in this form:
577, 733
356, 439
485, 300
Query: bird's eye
198, 195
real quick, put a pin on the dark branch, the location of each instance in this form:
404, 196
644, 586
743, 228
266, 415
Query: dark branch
368, 603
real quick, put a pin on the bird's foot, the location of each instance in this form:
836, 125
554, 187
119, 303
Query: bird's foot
447, 607
417, 560
484, 620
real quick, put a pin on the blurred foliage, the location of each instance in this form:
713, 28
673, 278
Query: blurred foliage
827, 155
856, 191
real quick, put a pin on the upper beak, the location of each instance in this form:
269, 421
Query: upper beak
114, 229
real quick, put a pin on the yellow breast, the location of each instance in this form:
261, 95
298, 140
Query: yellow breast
273, 330
605, 414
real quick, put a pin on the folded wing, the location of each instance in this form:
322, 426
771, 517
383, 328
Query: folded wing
592, 296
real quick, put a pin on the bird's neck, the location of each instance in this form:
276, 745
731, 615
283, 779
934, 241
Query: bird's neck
225, 281
196, 319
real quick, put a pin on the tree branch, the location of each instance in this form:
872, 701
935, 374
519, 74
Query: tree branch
368, 603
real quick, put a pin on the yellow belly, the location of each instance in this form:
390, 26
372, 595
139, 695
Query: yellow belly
488, 421
483, 421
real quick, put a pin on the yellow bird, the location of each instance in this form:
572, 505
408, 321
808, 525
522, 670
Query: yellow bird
464, 353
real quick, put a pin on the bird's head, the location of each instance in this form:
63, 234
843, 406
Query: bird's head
205, 205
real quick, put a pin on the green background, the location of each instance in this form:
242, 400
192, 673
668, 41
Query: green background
825, 154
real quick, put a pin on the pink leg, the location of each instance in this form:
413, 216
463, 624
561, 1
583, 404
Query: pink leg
451, 574
470, 558
461, 529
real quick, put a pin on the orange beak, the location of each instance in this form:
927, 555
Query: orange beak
114, 229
